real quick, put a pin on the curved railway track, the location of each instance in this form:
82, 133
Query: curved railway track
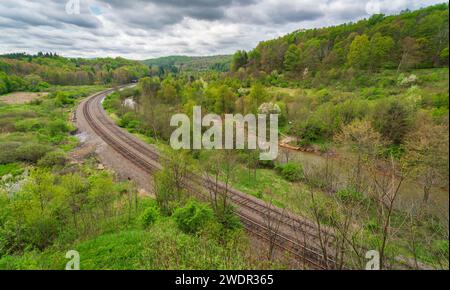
250, 210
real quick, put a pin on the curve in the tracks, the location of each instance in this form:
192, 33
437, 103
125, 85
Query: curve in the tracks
147, 159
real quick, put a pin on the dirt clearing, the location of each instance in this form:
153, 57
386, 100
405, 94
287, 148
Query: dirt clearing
21, 97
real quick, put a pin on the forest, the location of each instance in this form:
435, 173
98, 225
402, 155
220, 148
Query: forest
364, 128
23, 72
177, 64
411, 40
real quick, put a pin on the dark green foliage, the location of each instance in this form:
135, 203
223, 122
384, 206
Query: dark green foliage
228, 219
240, 59
53, 158
292, 59
175, 64
392, 120
129, 120
8, 152
266, 164
193, 217
349, 196
291, 171
31, 152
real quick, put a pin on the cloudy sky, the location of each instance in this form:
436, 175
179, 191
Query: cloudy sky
141, 29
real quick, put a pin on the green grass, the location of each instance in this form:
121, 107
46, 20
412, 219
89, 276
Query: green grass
11, 168
162, 246
44, 122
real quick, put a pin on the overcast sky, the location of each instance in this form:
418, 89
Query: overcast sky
141, 29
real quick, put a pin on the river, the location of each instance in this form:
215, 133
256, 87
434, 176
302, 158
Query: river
410, 191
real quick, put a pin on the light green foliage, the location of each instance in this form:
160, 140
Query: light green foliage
380, 50
149, 216
359, 52
10, 168
165, 247
412, 39
36, 72
258, 95
220, 99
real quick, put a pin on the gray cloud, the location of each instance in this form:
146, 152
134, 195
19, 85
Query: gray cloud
148, 28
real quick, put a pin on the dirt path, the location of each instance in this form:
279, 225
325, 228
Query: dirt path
21, 98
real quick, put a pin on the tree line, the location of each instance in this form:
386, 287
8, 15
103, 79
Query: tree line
412, 39
21, 71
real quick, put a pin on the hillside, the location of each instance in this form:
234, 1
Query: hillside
220, 63
24, 72
417, 39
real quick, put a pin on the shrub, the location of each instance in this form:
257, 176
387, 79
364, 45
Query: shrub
291, 171
7, 125
312, 131
8, 152
32, 152
193, 217
228, 219
392, 120
267, 164
129, 120
57, 127
28, 125
149, 216
349, 195
63, 99
52, 159
372, 226
4, 83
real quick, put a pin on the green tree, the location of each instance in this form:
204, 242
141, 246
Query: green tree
381, 47
359, 53
193, 217
392, 120
4, 83
76, 194
240, 59
258, 95
292, 59
169, 182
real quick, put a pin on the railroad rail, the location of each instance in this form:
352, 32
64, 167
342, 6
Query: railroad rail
148, 159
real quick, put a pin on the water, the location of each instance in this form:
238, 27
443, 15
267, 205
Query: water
411, 191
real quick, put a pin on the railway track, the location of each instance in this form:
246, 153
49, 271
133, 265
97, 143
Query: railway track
250, 210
